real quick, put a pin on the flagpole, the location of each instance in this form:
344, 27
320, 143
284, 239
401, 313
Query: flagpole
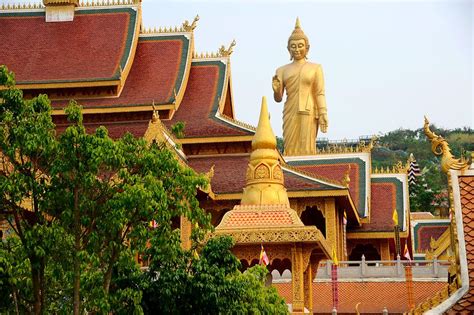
409, 278
335, 293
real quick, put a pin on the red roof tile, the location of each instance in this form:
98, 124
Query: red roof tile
382, 203
234, 168
373, 296
337, 172
160, 65
92, 47
200, 103
336, 168
466, 185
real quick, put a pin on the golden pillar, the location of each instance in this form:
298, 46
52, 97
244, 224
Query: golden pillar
385, 250
186, 229
340, 235
331, 222
297, 278
308, 288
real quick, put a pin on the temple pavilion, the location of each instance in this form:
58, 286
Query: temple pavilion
145, 80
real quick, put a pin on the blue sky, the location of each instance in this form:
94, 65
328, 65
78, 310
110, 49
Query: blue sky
386, 63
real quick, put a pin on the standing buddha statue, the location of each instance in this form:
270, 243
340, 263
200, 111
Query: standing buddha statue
305, 106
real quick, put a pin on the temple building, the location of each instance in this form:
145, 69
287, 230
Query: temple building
146, 80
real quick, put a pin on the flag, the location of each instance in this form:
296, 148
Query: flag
335, 261
395, 217
406, 253
263, 257
344, 219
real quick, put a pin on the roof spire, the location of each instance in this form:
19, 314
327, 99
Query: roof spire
264, 173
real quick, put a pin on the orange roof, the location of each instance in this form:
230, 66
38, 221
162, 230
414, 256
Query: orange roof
466, 185
159, 70
244, 216
94, 47
373, 296
422, 216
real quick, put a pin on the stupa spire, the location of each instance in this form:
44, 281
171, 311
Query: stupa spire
264, 173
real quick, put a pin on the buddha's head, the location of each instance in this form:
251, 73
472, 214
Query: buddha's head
298, 43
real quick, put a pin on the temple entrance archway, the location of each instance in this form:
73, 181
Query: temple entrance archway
312, 216
368, 250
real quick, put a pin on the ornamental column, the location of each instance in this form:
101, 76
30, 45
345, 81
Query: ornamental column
297, 278
308, 288
331, 223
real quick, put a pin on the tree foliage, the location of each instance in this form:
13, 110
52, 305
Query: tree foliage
208, 284
79, 206
397, 145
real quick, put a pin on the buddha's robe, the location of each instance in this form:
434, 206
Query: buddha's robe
305, 101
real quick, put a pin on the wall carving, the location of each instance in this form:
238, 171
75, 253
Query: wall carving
299, 234
262, 171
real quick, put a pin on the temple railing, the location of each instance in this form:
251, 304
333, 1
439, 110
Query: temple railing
377, 269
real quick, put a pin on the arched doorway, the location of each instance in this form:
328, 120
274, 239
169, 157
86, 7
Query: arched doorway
312, 216
368, 250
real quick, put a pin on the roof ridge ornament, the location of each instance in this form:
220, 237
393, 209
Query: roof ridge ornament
47, 3
440, 147
186, 27
227, 52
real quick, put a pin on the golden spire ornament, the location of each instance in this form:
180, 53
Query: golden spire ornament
264, 173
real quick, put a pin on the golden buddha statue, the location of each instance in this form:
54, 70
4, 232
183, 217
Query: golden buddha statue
305, 106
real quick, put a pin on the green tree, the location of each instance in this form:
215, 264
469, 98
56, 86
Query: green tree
208, 284
80, 205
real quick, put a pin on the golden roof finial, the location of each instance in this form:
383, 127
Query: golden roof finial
264, 173
264, 137
190, 27
440, 146
223, 52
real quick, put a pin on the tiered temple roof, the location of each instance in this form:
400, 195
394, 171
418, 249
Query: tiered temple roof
121, 73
